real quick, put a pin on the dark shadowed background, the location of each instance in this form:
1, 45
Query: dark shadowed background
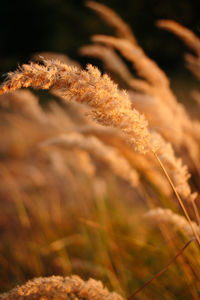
65, 25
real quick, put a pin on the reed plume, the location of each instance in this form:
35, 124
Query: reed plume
110, 106
63, 288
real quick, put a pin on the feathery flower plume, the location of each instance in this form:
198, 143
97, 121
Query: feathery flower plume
110, 106
106, 153
63, 288
113, 19
166, 216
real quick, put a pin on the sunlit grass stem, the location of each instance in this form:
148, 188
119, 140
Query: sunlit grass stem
178, 197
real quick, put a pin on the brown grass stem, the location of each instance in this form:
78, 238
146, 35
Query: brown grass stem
178, 197
162, 271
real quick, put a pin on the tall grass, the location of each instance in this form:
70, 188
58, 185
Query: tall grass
85, 178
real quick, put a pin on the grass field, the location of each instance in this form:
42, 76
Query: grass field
99, 181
